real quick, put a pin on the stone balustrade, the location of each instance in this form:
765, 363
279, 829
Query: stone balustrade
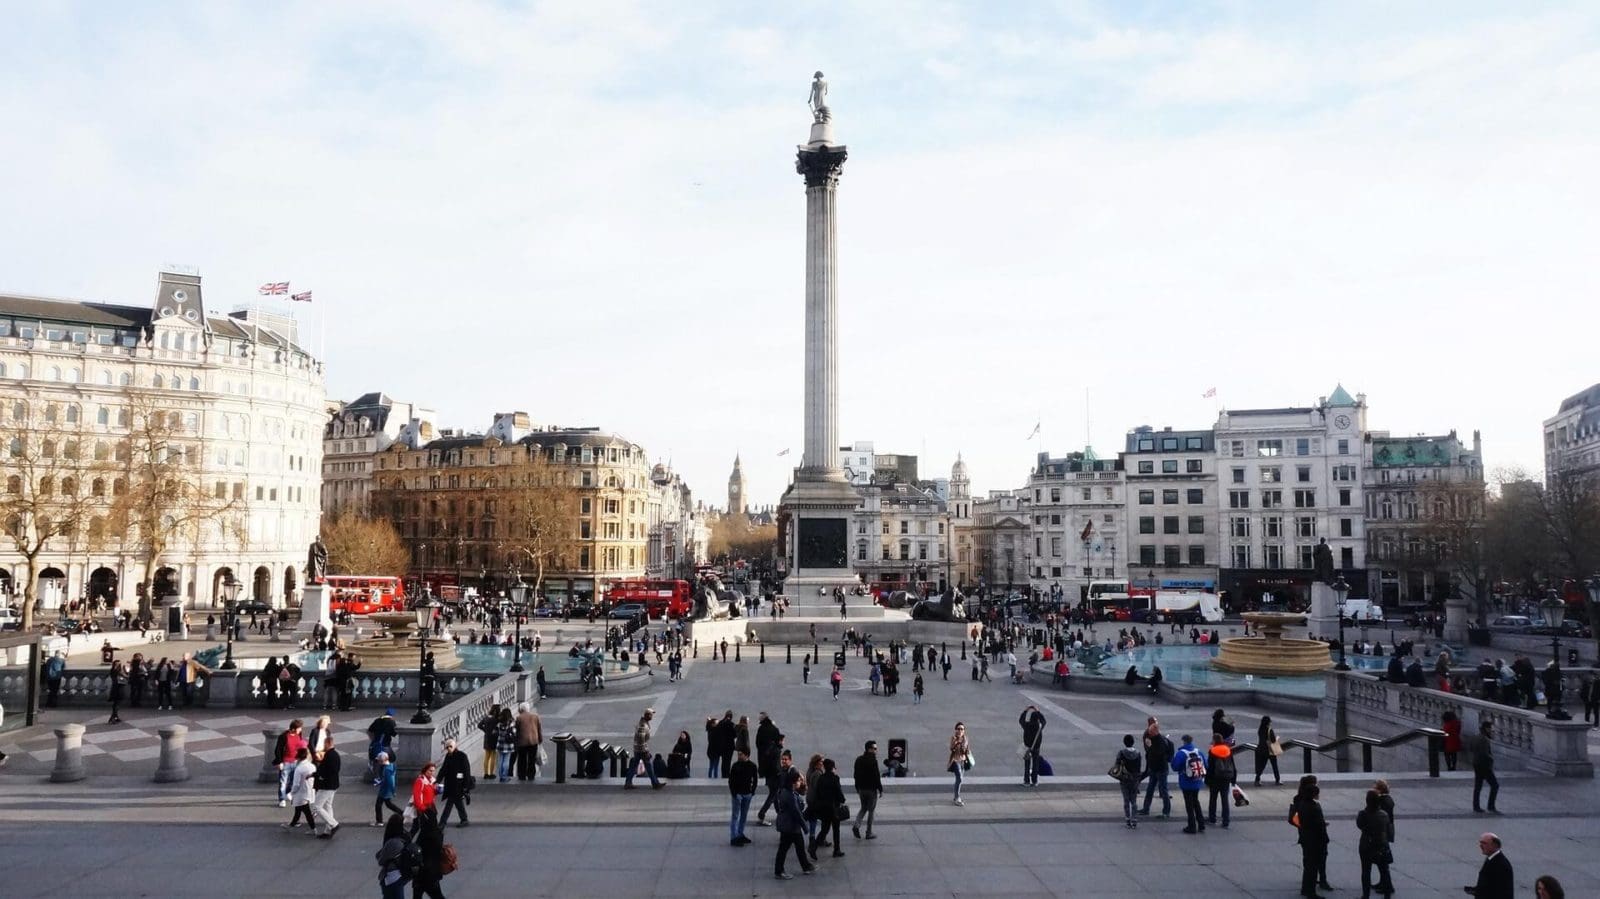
243, 688
1359, 703
457, 720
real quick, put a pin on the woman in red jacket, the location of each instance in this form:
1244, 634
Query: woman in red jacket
423, 790
1451, 725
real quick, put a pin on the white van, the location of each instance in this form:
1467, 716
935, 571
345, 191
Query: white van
1188, 606
1362, 610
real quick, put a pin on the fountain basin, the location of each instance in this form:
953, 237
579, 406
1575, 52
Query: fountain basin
1271, 653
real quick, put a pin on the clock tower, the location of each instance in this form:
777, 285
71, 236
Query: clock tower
736, 496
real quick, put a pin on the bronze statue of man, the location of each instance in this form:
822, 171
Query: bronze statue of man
316, 561
1322, 561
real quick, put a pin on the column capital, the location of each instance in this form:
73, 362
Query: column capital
821, 165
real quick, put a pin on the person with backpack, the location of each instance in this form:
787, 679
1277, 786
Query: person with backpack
54, 671
1125, 768
433, 862
836, 679
1220, 775
1191, 768
287, 752
1157, 756
399, 859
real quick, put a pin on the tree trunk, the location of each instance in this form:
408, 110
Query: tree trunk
30, 592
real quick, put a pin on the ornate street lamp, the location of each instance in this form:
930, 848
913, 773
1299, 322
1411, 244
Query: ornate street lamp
1554, 611
1341, 588
519, 592
424, 611
230, 594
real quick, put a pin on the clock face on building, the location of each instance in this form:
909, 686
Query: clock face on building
1341, 421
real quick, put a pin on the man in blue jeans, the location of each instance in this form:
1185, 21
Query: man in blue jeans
641, 750
743, 776
1157, 755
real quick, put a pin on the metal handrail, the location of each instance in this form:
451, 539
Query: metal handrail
1434, 736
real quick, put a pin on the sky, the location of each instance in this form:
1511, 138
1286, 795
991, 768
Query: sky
1075, 215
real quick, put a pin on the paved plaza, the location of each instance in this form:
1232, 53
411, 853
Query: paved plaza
116, 833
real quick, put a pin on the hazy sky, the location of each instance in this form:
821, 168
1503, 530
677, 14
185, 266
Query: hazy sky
589, 211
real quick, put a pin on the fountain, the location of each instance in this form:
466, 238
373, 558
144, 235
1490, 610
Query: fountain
1270, 653
396, 649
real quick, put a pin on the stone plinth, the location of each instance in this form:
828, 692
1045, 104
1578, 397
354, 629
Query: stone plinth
1324, 621
269, 759
69, 754
314, 610
1457, 618
173, 766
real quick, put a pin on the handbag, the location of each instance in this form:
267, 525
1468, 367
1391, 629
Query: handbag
544, 759
842, 812
1275, 748
968, 762
447, 860
1119, 770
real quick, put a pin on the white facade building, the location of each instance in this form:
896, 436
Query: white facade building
1077, 518
1171, 513
1572, 436
248, 406
1288, 478
357, 430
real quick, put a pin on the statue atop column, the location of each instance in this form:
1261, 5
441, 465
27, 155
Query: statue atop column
1322, 562
819, 100
316, 561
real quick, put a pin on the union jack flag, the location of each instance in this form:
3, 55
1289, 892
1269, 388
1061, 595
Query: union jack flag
301, 297
273, 288
1209, 393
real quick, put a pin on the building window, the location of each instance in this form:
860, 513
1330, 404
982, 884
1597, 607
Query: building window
1146, 444
1272, 555
1169, 466
1302, 446
1305, 557
1197, 524
1343, 473
1241, 556
861, 551
1306, 526
1236, 448
1305, 499
1271, 475
1196, 496
1344, 447
1169, 444
1197, 555
1194, 466
1169, 524
1347, 558
1147, 524
1055, 494
1269, 447
1147, 554
1147, 467
1147, 497
1054, 519
1272, 527
1238, 476
1087, 494
1238, 499
1302, 474
1172, 556
1193, 443
1346, 528
1344, 496
1169, 497
905, 527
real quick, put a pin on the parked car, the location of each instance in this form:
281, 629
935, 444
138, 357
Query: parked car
9, 620
627, 611
546, 611
1569, 628
1512, 622
246, 606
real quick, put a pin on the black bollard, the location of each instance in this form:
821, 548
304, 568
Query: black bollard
763, 653
735, 651
814, 653
963, 649
696, 650
788, 653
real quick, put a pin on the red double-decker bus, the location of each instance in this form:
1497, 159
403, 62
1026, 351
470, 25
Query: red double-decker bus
660, 598
363, 594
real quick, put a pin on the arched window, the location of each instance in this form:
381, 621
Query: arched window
177, 383
102, 452
69, 487
119, 487
122, 418
50, 414
14, 484
47, 486
98, 488
72, 415
74, 375
16, 447
155, 380
194, 383
2, 369
125, 379
105, 377
49, 449
102, 416
191, 421
97, 527
174, 420
70, 450
22, 371
19, 411
55, 372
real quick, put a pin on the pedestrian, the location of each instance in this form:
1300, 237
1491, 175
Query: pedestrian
530, 733
1267, 750
327, 784
1158, 752
1483, 766
805, 669
119, 685
1451, 725
766, 735
1495, 878
916, 689
874, 675
425, 790
836, 679
960, 757
1307, 816
1373, 845
869, 789
1032, 723
1220, 775
742, 778
321, 735
717, 738
455, 781
827, 794
1191, 768
166, 682
385, 782
945, 665
138, 675
538, 678
775, 768
813, 819
1386, 802
1222, 724
791, 825
487, 725
54, 670
430, 843
380, 735
505, 744
1125, 768
1589, 693
302, 789
397, 859
287, 752
641, 753
1547, 887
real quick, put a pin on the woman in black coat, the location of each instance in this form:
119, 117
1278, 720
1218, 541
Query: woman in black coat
1373, 822
1313, 840
119, 686
827, 795
430, 842
1265, 738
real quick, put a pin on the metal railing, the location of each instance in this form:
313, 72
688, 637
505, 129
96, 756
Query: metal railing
1434, 736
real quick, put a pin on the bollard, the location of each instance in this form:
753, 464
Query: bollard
69, 754
612, 756
269, 759
1435, 746
963, 649
788, 653
735, 652
172, 767
815, 654
696, 650
561, 740
763, 653
1366, 757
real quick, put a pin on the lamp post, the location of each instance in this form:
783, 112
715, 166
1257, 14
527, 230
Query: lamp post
424, 612
1340, 588
518, 593
230, 594
1554, 611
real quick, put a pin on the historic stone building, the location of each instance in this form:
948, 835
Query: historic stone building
677, 535
245, 410
356, 431
1076, 515
1001, 544
454, 501
1424, 501
736, 491
1572, 436
1171, 509
899, 536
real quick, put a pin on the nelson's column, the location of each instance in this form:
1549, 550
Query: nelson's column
819, 501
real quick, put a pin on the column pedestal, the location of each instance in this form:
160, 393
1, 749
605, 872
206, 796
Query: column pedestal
1323, 623
314, 609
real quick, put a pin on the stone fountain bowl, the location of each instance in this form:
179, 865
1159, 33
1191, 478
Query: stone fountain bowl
395, 622
1270, 653
397, 648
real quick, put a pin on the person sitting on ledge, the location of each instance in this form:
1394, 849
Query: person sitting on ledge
1133, 676
1156, 677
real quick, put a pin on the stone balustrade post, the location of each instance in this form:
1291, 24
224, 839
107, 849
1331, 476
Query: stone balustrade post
269, 758
69, 754
173, 767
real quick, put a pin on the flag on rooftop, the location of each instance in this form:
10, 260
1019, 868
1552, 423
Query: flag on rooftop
1210, 393
785, 452
274, 288
301, 297
1034, 433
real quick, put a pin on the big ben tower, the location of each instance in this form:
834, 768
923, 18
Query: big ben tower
736, 489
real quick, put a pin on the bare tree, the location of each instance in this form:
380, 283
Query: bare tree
1454, 532
734, 537
540, 509
159, 496
45, 500
361, 545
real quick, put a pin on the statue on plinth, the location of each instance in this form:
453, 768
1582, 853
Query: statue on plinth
1322, 562
819, 100
316, 561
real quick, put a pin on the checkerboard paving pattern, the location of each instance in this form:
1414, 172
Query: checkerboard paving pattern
210, 740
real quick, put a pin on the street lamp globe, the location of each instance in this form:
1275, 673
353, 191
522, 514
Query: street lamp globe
1553, 610
230, 594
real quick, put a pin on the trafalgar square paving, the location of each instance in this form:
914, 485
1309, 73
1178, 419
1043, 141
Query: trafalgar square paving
117, 833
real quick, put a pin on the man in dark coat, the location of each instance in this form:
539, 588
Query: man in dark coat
1495, 877
869, 788
455, 779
